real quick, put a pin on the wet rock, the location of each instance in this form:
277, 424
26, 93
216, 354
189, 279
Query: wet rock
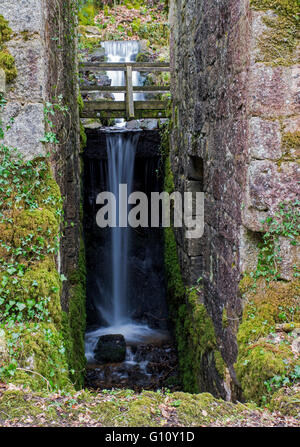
149, 124
110, 348
133, 124
91, 124
92, 30
296, 345
150, 367
98, 55
103, 80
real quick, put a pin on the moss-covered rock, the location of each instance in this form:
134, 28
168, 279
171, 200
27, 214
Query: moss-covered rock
287, 401
287, 8
38, 354
278, 44
124, 408
35, 295
261, 355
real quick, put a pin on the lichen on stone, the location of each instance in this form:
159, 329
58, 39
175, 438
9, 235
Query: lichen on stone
279, 42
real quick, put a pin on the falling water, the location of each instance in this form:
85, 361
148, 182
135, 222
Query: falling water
121, 150
123, 51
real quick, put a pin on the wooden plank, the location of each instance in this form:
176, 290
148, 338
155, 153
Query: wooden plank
104, 105
120, 105
119, 114
119, 66
122, 89
129, 93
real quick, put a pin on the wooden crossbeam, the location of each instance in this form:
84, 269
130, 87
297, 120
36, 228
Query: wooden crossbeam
117, 109
122, 89
138, 114
122, 66
121, 105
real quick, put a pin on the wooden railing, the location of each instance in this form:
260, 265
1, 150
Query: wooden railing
129, 108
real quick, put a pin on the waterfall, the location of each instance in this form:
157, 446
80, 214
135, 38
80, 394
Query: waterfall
123, 51
121, 150
111, 296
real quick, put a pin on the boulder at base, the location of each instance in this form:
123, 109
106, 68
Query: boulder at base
110, 348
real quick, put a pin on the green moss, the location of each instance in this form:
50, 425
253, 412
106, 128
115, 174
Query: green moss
5, 31
143, 57
202, 409
279, 42
225, 322
123, 408
16, 404
80, 103
7, 62
83, 137
75, 321
48, 194
41, 224
39, 353
287, 401
259, 363
86, 14
291, 140
220, 364
287, 8
31, 236
39, 291
195, 338
259, 359
175, 285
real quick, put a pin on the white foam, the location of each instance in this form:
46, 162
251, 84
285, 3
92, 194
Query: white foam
133, 333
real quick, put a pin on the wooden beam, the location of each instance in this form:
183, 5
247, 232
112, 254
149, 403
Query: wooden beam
117, 109
120, 105
129, 93
122, 89
139, 114
121, 66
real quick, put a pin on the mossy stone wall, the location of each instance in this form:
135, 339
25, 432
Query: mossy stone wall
235, 126
43, 45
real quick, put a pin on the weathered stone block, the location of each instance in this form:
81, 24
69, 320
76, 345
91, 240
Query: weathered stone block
289, 255
24, 15
274, 90
31, 64
248, 250
27, 129
264, 139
